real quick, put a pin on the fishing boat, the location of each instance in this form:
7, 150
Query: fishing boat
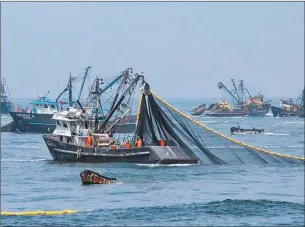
198, 110
6, 104
92, 177
38, 119
238, 130
163, 134
290, 108
244, 103
69, 140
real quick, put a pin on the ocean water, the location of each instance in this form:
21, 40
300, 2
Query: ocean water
146, 195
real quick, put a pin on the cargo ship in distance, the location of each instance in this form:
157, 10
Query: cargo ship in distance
245, 104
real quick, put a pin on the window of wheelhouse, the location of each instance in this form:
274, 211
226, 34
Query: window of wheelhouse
61, 138
53, 106
45, 106
58, 122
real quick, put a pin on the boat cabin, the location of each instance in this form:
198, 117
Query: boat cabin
44, 106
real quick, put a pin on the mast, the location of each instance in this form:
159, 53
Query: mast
84, 79
110, 114
97, 96
235, 89
57, 81
38, 87
70, 90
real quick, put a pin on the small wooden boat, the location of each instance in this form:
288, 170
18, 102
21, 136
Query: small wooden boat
198, 110
91, 177
236, 130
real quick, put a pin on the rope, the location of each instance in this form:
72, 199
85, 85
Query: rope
226, 137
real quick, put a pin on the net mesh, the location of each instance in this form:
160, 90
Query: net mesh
158, 120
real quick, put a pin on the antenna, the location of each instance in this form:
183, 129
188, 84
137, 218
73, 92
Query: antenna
57, 80
38, 87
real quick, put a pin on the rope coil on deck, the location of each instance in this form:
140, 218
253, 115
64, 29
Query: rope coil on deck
39, 212
224, 136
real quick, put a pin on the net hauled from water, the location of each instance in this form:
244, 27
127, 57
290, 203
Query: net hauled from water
159, 120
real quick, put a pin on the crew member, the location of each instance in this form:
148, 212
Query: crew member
139, 142
127, 144
89, 141
162, 142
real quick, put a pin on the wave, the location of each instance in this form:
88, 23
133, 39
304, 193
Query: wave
29, 147
163, 165
275, 134
23, 160
294, 122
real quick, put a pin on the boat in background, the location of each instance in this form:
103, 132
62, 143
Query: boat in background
290, 108
198, 110
6, 104
244, 103
38, 119
238, 130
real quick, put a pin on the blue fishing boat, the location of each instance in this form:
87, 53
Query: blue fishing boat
38, 119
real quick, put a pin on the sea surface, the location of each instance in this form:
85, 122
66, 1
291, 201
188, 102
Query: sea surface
147, 195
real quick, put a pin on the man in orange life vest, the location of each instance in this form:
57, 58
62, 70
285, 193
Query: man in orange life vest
127, 144
162, 142
139, 142
89, 141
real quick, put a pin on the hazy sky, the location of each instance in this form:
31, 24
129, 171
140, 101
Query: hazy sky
184, 49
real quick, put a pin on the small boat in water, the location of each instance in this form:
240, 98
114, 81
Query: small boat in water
92, 177
198, 110
238, 130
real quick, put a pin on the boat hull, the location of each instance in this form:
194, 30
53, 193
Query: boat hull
235, 130
64, 152
239, 113
33, 122
198, 110
279, 112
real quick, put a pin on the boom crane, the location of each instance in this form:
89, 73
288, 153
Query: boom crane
221, 85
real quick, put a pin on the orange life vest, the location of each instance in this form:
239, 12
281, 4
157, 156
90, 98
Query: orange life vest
162, 142
139, 143
127, 145
88, 141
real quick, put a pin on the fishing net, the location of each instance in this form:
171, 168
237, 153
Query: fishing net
158, 120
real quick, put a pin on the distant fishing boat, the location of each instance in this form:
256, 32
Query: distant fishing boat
198, 110
6, 104
38, 119
244, 103
290, 108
